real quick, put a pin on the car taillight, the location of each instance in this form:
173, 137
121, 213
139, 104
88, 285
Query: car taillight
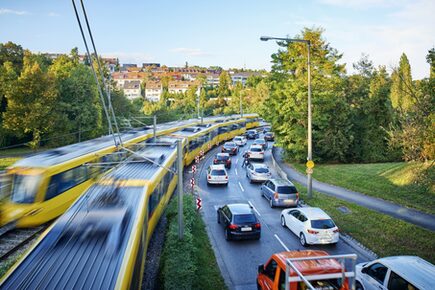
258, 226
336, 230
297, 194
312, 232
215, 161
261, 152
226, 176
228, 161
208, 176
234, 149
275, 195
233, 226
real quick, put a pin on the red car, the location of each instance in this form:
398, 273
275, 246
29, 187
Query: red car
223, 158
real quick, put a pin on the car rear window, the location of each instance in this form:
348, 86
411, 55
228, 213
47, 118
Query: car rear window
256, 149
244, 218
237, 138
218, 172
322, 224
287, 189
260, 141
222, 157
262, 170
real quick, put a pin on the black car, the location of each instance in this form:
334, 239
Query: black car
252, 134
239, 221
269, 136
267, 129
230, 148
223, 158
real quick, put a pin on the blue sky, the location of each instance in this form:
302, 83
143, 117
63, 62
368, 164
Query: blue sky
225, 33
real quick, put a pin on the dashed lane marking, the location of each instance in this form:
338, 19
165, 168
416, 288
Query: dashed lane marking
241, 187
236, 172
250, 203
237, 161
281, 242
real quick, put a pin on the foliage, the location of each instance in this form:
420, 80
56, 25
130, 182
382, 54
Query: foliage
31, 103
183, 261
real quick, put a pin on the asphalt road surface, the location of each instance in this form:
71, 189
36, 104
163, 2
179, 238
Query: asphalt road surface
239, 260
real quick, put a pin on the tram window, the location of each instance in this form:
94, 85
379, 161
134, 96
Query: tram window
66, 180
193, 144
222, 130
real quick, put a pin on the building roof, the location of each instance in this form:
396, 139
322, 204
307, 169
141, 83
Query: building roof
131, 85
153, 85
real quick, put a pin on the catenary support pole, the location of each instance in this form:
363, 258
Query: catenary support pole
180, 189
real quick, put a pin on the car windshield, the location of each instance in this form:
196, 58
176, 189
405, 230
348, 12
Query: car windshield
237, 139
230, 145
244, 219
25, 187
222, 157
287, 189
322, 224
218, 172
256, 149
259, 141
262, 170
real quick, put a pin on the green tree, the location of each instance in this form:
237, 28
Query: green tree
287, 106
378, 118
31, 103
402, 89
13, 53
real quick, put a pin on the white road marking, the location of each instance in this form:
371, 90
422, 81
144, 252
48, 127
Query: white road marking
241, 187
237, 172
282, 244
250, 203
237, 161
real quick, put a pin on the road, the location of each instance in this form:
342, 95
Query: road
239, 260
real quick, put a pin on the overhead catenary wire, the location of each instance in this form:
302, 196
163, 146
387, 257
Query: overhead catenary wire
100, 91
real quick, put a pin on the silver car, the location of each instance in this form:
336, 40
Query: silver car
257, 172
399, 272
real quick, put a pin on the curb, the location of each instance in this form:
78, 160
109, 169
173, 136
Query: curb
349, 240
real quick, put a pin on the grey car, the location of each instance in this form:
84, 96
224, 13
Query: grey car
257, 172
280, 192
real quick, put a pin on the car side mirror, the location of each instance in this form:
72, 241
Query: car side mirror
261, 269
364, 270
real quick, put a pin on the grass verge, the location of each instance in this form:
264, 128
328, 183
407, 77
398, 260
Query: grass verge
190, 263
384, 235
406, 183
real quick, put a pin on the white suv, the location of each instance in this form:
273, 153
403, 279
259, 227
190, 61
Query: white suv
256, 152
217, 174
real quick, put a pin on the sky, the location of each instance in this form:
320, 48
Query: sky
223, 32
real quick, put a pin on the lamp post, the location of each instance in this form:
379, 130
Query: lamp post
310, 155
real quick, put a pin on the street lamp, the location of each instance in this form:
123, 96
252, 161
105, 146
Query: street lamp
309, 157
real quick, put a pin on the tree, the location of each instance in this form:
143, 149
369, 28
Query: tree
8, 78
402, 89
287, 105
31, 103
378, 118
13, 53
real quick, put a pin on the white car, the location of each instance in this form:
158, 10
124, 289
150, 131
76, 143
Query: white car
240, 140
256, 152
400, 272
258, 172
311, 224
217, 174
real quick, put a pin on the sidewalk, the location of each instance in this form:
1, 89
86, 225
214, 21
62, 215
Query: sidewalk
413, 216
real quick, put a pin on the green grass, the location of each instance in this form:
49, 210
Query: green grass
384, 235
19, 151
190, 263
406, 183
7, 161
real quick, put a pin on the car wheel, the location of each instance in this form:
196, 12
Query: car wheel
303, 240
358, 286
282, 221
271, 202
250, 181
227, 235
218, 218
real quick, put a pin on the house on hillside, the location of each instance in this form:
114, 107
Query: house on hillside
132, 89
153, 91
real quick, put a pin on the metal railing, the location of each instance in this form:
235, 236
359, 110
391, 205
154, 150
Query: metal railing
290, 265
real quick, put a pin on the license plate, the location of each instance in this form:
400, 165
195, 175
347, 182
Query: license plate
246, 229
289, 201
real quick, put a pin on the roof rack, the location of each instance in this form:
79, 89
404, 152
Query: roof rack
290, 265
